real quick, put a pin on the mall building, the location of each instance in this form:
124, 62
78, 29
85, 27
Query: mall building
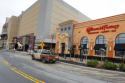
39, 22
101, 37
9, 30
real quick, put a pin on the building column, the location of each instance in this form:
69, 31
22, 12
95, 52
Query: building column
110, 49
57, 47
91, 49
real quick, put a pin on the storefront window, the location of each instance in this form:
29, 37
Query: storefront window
84, 47
120, 39
68, 28
120, 45
100, 45
65, 28
61, 29
100, 40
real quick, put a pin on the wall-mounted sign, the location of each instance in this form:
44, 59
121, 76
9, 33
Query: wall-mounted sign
102, 29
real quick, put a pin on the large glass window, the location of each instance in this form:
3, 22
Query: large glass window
84, 48
120, 45
84, 40
100, 45
65, 28
61, 29
84, 45
100, 40
120, 39
68, 28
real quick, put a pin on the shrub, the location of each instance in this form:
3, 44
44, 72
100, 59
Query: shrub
110, 65
92, 63
100, 65
122, 67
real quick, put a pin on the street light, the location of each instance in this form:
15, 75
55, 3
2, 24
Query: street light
102, 51
87, 54
123, 56
69, 52
83, 52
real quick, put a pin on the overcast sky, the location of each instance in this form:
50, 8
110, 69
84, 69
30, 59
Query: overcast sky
92, 8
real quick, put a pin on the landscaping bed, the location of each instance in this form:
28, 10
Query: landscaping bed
106, 65
100, 65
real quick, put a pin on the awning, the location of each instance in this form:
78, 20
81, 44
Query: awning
119, 47
99, 46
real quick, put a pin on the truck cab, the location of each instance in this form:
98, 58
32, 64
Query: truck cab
45, 56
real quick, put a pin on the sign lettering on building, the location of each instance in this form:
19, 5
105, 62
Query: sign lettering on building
102, 29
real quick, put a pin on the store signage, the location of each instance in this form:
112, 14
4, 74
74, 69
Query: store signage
102, 29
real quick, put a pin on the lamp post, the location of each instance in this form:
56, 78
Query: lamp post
87, 54
102, 51
69, 52
123, 57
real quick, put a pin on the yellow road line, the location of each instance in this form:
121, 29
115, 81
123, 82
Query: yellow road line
6, 62
23, 74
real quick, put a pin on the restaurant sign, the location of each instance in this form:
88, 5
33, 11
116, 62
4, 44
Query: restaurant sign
102, 29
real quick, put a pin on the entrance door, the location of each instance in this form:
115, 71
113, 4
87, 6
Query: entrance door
84, 47
100, 45
63, 48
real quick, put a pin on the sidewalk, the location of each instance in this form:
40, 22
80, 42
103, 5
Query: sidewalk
20, 52
75, 61
23, 53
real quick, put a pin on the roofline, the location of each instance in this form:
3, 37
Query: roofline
99, 19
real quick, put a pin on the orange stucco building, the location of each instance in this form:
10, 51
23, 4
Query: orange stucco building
102, 36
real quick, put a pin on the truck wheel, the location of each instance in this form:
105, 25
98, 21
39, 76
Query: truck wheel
54, 62
33, 58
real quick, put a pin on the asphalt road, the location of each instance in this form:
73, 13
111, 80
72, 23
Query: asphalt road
19, 68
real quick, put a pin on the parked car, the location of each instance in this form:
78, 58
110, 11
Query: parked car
45, 56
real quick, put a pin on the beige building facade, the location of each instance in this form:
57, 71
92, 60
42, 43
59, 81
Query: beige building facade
12, 28
39, 22
29, 20
43, 17
3, 40
64, 37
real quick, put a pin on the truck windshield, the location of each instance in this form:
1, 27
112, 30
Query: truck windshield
45, 52
48, 52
